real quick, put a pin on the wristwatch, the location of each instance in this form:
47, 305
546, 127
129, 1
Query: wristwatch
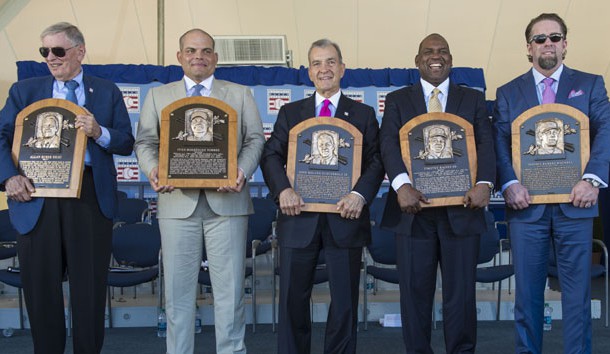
595, 183
488, 184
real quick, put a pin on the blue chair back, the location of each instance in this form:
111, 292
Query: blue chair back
136, 245
489, 244
260, 224
383, 246
130, 210
7, 232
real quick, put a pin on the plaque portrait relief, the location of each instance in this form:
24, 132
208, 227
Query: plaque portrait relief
324, 161
437, 143
48, 131
439, 152
550, 139
198, 143
324, 149
550, 149
48, 148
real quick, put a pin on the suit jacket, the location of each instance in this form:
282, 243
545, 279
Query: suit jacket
250, 140
409, 102
102, 98
298, 231
580, 90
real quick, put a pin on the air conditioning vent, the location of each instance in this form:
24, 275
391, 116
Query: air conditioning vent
251, 50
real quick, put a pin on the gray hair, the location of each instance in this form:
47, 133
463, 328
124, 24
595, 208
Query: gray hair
72, 32
323, 43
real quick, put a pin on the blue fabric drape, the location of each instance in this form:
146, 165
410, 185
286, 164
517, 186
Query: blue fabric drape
256, 75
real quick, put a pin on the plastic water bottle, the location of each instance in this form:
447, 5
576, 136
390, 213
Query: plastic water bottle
197, 321
162, 324
548, 320
8, 332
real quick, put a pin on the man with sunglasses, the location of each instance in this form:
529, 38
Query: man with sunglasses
563, 228
71, 236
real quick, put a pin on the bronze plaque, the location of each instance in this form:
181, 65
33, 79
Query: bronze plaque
198, 144
324, 160
439, 152
48, 149
550, 148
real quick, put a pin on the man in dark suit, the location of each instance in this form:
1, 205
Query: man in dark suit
73, 235
302, 235
445, 235
567, 226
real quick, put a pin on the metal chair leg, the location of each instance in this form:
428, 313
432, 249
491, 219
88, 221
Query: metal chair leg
109, 308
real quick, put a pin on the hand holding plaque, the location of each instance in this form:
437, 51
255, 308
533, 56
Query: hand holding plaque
49, 149
324, 160
198, 144
439, 152
550, 151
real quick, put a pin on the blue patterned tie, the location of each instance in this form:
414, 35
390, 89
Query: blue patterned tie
71, 96
197, 90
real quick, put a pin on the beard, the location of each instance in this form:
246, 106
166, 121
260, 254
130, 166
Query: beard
548, 63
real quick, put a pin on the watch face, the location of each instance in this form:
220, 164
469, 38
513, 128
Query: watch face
593, 182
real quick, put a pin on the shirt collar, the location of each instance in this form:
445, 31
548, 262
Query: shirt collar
207, 83
428, 87
334, 99
78, 78
538, 77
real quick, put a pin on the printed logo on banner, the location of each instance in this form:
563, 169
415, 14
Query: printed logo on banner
357, 96
131, 97
308, 92
267, 130
276, 98
381, 101
127, 170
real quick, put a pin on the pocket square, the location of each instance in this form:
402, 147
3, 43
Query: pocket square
574, 93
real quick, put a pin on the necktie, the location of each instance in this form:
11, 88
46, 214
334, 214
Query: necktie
71, 86
197, 90
435, 104
325, 111
548, 95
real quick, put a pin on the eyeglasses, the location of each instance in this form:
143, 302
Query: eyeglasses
541, 38
57, 51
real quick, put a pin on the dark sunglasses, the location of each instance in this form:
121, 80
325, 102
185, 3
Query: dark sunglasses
541, 38
57, 51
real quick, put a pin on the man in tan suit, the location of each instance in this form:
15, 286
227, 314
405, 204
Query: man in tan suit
186, 215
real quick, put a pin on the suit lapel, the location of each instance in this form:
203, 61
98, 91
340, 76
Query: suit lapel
308, 108
344, 109
178, 90
566, 82
454, 98
417, 99
527, 88
219, 90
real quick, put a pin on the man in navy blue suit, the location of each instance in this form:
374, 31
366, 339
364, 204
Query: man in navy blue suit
563, 228
302, 235
427, 237
67, 235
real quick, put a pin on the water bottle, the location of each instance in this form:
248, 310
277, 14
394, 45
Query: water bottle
8, 332
162, 324
548, 310
197, 321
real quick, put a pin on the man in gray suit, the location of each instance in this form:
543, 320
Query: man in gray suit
186, 215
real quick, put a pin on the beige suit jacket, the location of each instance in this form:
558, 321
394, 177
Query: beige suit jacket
250, 140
